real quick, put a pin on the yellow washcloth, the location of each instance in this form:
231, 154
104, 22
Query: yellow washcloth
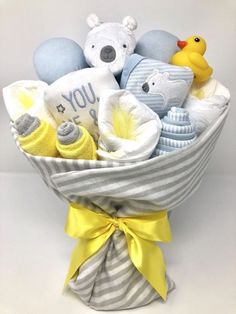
75, 142
36, 137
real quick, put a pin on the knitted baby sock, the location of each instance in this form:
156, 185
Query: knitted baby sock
36, 137
75, 142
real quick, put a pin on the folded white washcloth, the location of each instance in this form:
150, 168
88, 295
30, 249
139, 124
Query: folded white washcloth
27, 97
206, 102
209, 88
129, 130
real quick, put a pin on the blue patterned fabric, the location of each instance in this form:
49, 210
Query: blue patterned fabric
157, 84
177, 131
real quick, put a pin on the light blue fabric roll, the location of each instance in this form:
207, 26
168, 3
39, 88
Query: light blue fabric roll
158, 45
177, 131
57, 57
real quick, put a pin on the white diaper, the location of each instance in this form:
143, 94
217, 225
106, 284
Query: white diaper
129, 130
206, 102
27, 97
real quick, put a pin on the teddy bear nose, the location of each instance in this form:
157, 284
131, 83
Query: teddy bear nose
108, 49
145, 87
108, 54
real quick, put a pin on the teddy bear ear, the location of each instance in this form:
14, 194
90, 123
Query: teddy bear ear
93, 20
130, 23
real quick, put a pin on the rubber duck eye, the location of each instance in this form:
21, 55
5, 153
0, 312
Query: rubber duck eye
197, 39
124, 46
93, 46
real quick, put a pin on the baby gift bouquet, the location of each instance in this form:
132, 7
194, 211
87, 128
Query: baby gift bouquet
123, 132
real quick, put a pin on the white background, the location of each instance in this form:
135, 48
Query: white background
35, 251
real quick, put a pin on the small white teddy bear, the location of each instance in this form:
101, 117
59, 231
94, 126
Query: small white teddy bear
108, 44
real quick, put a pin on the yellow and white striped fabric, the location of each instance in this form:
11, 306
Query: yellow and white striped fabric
108, 280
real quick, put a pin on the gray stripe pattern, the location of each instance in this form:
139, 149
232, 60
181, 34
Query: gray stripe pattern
108, 280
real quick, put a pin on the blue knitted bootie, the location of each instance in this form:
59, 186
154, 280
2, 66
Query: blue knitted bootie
177, 131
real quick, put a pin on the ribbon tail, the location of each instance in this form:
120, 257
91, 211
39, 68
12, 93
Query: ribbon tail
84, 249
147, 257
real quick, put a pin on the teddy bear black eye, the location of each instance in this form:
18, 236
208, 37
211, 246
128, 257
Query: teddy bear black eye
93, 46
124, 46
197, 39
153, 83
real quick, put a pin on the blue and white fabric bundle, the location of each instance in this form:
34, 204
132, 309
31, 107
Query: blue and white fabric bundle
140, 131
177, 131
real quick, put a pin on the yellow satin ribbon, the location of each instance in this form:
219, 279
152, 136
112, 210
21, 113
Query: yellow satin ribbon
94, 229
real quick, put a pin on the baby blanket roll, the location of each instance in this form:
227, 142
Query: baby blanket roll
108, 280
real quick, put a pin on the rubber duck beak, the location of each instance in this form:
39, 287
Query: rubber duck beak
181, 44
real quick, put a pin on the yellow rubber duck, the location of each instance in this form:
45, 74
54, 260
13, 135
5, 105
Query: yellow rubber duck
191, 55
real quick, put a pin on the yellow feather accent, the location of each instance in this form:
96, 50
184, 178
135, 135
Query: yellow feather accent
25, 98
123, 124
199, 93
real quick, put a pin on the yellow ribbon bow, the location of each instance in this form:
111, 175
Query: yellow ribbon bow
94, 229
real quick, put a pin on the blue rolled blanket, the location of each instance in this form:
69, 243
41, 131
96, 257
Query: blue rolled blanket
177, 131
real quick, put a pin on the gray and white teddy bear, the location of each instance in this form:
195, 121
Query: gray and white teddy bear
108, 44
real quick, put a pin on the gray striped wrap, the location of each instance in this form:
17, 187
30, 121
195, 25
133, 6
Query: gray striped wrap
108, 280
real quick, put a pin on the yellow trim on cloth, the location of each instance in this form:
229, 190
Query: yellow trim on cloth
94, 229
41, 142
83, 148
